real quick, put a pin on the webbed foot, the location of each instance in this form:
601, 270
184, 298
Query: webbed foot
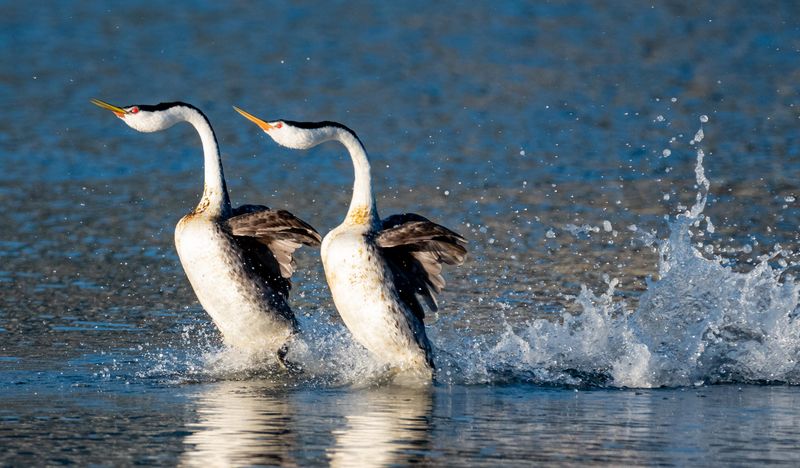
288, 366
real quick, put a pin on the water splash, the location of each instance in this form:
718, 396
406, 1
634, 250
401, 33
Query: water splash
700, 322
325, 355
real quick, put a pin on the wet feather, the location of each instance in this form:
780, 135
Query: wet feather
415, 248
280, 231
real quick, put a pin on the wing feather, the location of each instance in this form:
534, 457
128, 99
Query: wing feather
415, 249
280, 231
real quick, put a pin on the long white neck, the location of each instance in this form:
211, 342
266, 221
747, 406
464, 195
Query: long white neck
363, 209
305, 135
215, 201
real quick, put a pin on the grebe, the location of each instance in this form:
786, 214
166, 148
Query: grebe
238, 260
376, 269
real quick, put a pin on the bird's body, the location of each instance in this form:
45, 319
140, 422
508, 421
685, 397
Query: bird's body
367, 299
378, 269
228, 281
238, 261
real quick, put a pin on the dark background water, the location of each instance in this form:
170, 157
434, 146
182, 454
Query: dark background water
503, 121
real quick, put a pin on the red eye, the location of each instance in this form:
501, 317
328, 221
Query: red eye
279, 125
134, 110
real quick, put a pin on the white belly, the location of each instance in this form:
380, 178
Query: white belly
235, 301
367, 302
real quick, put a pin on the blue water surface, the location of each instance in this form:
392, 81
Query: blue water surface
559, 137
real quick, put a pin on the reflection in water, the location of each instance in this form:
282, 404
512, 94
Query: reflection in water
263, 423
384, 426
256, 423
253, 423
241, 423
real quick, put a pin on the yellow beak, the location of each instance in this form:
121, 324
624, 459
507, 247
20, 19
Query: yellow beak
117, 110
264, 125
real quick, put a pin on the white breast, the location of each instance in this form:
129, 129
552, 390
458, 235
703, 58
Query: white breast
366, 301
227, 291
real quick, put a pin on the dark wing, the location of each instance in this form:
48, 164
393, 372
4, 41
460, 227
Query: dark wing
415, 249
280, 231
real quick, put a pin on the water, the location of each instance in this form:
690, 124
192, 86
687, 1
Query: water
237, 423
626, 177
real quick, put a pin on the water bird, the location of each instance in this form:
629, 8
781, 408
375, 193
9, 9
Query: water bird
238, 260
378, 269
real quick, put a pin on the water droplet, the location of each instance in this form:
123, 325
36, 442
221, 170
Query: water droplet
703, 118
698, 137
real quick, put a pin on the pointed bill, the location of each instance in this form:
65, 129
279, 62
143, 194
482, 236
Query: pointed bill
120, 112
263, 125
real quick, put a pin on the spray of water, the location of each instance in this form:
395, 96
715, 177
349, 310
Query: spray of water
700, 322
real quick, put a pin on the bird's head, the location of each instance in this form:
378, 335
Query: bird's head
295, 135
146, 118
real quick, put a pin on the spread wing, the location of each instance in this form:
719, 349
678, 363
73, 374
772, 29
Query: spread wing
415, 249
279, 231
